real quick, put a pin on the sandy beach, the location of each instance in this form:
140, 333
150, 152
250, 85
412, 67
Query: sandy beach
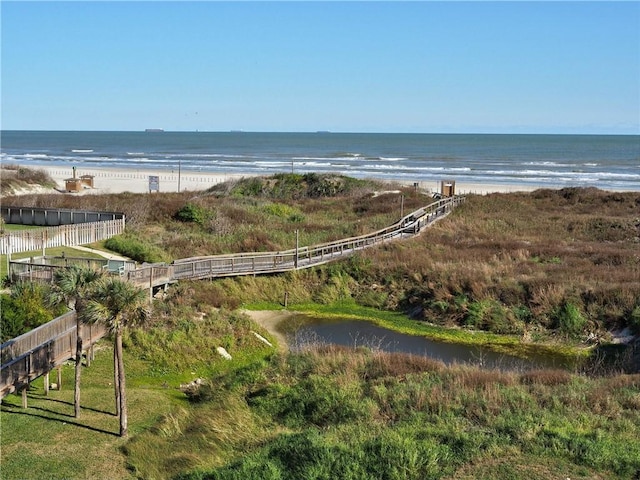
107, 180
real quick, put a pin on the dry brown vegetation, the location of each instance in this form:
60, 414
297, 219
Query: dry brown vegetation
564, 261
13, 178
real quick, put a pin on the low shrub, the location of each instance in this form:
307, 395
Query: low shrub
25, 308
136, 249
569, 320
194, 213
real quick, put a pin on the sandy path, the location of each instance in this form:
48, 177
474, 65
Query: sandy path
269, 320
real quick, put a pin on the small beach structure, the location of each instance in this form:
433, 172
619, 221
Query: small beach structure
87, 180
448, 188
73, 184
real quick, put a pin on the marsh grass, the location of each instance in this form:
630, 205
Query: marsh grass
366, 414
323, 412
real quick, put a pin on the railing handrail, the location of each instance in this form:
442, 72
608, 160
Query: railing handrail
398, 226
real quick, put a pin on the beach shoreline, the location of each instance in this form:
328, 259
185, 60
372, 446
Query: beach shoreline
111, 180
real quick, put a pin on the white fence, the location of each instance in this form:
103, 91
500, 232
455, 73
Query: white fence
61, 236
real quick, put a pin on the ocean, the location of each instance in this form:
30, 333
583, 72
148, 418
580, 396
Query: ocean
610, 162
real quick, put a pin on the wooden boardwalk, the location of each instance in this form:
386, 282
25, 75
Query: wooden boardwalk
39, 351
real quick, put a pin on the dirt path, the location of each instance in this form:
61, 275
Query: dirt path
110, 256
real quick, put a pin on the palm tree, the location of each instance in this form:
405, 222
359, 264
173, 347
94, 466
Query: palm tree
118, 305
71, 287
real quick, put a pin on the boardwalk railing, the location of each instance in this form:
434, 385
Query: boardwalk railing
42, 269
304, 257
37, 352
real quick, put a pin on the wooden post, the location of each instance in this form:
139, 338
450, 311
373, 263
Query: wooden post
46, 384
89, 352
59, 378
286, 299
24, 396
151, 280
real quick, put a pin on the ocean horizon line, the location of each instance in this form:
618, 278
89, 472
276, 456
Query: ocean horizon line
160, 131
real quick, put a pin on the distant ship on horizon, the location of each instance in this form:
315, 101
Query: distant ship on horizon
154, 130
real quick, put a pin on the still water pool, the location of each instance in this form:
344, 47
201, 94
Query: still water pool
303, 330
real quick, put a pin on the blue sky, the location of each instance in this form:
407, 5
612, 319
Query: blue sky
473, 67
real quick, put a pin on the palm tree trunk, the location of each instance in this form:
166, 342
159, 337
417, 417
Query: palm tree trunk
116, 378
122, 387
76, 391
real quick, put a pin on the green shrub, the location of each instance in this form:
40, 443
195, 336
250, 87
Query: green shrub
282, 210
248, 187
25, 309
568, 319
316, 400
136, 249
193, 213
490, 315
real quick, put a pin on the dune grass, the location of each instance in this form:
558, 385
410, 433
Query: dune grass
534, 265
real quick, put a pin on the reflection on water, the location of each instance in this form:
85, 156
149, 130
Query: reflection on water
304, 330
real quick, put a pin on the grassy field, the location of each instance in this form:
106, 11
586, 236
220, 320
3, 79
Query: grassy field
326, 413
56, 252
45, 441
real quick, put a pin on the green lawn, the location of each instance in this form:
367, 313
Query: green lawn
57, 251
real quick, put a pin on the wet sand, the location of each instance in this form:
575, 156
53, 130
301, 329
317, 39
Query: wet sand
269, 320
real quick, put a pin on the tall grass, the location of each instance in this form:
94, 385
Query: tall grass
366, 414
323, 412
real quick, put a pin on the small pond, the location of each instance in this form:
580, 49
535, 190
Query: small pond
303, 330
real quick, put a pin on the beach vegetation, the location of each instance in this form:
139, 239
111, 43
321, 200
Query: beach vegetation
15, 178
319, 412
24, 308
192, 212
295, 186
550, 271
536, 265
130, 245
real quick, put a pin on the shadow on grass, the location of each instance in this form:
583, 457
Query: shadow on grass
48, 399
29, 412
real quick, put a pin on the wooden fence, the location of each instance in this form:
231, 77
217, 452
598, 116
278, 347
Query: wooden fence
61, 236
